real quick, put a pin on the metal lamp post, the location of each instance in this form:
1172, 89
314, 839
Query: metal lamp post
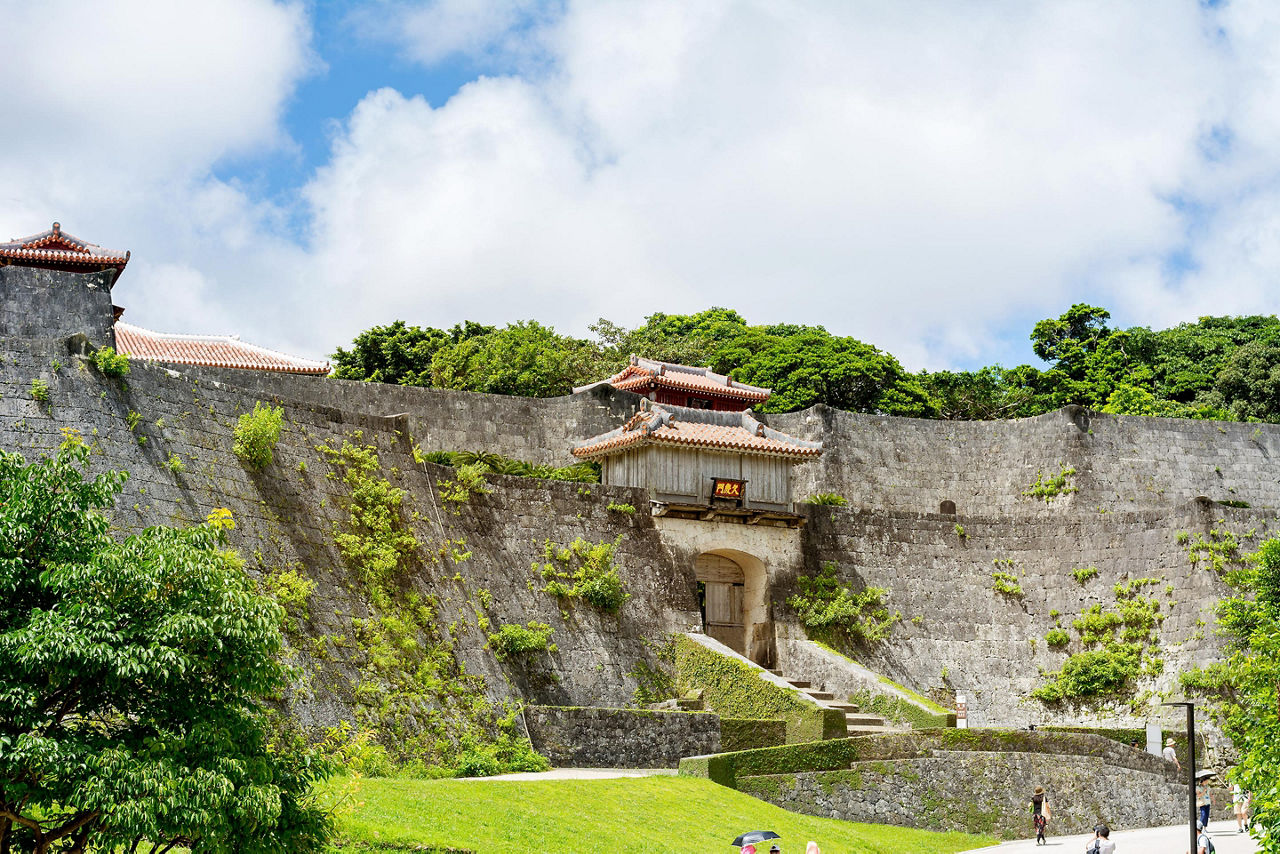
1191, 770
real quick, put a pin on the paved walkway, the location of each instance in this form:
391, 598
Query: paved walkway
1151, 840
582, 774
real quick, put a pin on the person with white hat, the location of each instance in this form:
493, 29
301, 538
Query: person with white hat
1171, 754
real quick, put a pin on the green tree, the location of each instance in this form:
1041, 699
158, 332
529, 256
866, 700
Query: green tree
398, 353
1248, 384
685, 339
525, 358
133, 674
1247, 688
985, 394
809, 365
1088, 358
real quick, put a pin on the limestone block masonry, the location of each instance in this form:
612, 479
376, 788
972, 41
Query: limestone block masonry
620, 738
980, 793
1135, 511
38, 303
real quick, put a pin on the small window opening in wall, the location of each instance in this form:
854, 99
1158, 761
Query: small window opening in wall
947, 508
698, 403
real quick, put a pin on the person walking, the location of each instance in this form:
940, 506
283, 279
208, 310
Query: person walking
1039, 814
1203, 801
1240, 804
1171, 754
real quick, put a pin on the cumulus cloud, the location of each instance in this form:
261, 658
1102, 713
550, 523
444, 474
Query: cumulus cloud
434, 31
117, 114
927, 176
914, 174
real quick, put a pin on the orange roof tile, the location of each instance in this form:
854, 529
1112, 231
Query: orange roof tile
57, 249
214, 351
646, 373
733, 432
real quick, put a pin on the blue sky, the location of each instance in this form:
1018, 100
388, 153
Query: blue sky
930, 177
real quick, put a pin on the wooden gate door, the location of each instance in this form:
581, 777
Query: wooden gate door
721, 580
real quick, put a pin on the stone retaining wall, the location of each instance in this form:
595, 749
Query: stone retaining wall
980, 792
620, 738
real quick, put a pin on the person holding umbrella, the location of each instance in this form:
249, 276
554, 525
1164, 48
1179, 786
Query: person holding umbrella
1203, 801
748, 840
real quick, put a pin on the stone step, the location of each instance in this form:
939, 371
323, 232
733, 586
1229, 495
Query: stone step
820, 695
799, 683
847, 708
864, 720
866, 730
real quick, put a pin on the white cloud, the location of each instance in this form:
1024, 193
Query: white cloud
117, 113
918, 174
910, 173
432, 31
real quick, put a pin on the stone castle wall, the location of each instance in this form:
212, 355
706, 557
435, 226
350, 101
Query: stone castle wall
980, 793
959, 635
1122, 463
620, 738
1136, 479
538, 430
288, 513
51, 304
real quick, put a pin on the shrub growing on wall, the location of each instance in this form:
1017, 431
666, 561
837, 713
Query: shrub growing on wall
513, 640
110, 363
256, 434
833, 612
584, 570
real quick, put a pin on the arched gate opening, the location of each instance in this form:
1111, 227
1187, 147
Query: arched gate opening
733, 594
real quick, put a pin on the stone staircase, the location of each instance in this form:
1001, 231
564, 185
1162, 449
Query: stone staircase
856, 721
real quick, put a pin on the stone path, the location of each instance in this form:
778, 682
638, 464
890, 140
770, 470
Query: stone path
582, 774
1151, 840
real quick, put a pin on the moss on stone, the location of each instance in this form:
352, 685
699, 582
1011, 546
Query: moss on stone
734, 689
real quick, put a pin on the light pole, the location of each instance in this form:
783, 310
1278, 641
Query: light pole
1191, 770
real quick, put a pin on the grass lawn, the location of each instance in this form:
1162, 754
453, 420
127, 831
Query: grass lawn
649, 814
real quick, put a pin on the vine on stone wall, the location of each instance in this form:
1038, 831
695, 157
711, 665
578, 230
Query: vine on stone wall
584, 570
1119, 644
431, 717
1047, 489
832, 612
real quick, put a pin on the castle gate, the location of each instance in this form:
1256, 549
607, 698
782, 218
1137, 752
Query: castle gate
733, 596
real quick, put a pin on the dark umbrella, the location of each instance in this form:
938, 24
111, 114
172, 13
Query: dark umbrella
754, 837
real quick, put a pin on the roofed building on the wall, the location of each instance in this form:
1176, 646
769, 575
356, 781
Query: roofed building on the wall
701, 463
684, 385
54, 249
213, 351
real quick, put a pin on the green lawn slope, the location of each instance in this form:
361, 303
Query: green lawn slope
650, 814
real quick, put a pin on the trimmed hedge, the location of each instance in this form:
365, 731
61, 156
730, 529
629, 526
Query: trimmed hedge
744, 734
735, 689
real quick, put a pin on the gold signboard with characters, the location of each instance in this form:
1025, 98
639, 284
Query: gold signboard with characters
729, 488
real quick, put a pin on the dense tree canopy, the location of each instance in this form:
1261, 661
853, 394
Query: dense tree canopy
132, 674
1246, 687
1219, 367
804, 365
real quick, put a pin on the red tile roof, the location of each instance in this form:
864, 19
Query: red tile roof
214, 351
646, 373
733, 432
55, 249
